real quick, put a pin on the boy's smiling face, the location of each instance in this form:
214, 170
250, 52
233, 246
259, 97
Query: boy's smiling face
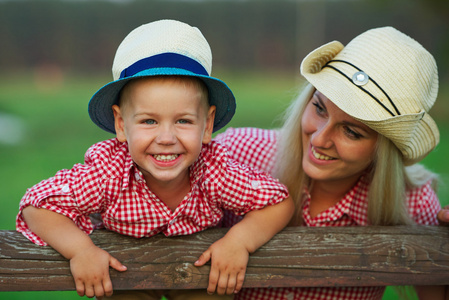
165, 121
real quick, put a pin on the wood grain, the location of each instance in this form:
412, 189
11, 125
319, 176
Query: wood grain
295, 257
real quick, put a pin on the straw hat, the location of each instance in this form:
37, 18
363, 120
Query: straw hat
164, 47
386, 80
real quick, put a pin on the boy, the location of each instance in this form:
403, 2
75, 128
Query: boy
162, 172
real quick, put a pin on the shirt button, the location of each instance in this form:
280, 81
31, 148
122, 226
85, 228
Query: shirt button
137, 176
255, 184
65, 188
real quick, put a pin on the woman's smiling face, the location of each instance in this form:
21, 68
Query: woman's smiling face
335, 145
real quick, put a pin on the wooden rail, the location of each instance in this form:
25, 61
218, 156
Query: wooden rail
296, 257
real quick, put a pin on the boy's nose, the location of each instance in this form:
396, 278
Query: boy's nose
166, 136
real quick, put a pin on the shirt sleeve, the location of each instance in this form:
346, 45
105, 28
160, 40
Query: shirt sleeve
238, 187
423, 204
253, 147
74, 193
246, 189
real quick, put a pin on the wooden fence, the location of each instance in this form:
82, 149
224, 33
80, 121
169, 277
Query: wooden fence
295, 257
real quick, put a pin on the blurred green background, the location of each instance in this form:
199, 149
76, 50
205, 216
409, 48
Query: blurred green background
56, 54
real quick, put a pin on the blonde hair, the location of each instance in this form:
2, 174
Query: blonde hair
389, 178
387, 205
289, 155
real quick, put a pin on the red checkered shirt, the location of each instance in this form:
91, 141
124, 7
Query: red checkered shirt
257, 148
109, 183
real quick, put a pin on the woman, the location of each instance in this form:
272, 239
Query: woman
350, 143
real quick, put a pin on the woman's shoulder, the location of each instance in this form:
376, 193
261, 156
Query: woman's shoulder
254, 147
423, 203
232, 135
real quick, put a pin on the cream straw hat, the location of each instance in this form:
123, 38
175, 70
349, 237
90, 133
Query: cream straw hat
165, 47
385, 79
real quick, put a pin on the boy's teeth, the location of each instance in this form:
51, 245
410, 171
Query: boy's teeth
319, 156
165, 157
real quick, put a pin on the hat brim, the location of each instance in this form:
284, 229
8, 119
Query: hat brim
100, 105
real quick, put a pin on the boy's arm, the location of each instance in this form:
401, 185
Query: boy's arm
229, 255
259, 226
88, 263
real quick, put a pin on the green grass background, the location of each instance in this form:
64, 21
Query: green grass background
58, 131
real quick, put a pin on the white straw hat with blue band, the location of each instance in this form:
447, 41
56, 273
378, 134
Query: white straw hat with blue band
162, 48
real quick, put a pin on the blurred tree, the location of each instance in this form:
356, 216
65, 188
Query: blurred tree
82, 36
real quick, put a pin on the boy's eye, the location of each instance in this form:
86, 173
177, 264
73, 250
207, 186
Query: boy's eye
184, 121
150, 122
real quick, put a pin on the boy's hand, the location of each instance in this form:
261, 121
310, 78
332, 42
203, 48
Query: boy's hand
90, 270
228, 266
443, 216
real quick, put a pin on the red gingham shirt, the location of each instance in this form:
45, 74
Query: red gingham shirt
109, 183
257, 148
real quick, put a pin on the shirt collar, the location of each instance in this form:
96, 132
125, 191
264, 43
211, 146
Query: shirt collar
212, 154
129, 169
358, 208
354, 204
197, 169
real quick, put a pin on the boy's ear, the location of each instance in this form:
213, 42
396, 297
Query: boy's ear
119, 123
207, 137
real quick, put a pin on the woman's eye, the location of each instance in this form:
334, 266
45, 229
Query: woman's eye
352, 134
319, 109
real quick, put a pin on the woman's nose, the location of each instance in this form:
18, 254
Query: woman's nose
323, 136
